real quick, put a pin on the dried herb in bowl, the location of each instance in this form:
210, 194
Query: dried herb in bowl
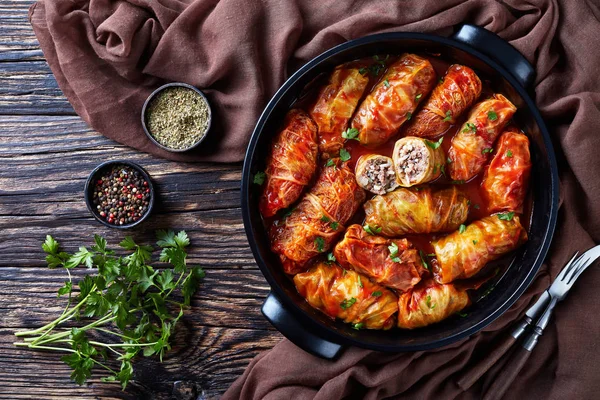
177, 117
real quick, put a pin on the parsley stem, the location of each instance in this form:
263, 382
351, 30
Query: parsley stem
104, 366
122, 344
32, 346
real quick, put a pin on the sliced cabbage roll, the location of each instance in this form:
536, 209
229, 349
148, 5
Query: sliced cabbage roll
393, 100
417, 160
394, 263
347, 295
461, 255
375, 173
417, 210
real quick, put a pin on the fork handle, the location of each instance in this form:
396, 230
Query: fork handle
508, 374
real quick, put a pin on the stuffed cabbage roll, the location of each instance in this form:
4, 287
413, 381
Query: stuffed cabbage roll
348, 296
375, 173
291, 163
462, 255
507, 177
335, 105
405, 211
311, 228
473, 143
394, 263
393, 100
428, 303
417, 160
450, 98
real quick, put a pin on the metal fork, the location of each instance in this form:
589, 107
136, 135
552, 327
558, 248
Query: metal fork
557, 292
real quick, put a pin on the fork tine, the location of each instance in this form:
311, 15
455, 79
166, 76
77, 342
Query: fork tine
580, 269
573, 269
566, 268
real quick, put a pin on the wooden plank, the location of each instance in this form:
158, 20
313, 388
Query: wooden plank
17, 40
30, 88
206, 358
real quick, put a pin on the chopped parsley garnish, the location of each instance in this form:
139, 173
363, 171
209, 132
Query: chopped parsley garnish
288, 212
344, 155
350, 133
417, 97
462, 314
347, 303
394, 252
435, 167
408, 116
470, 127
259, 178
443, 169
487, 150
476, 206
331, 257
425, 264
428, 302
372, 230
462, 228
376, 293
448, 116
334, 225
359, 280
434, 145
358, 326
507, 216
386, 83
325, 218
492, 116
458, 182
509, 154
449, 160
363, 71
330, 163
474, 241
320, 243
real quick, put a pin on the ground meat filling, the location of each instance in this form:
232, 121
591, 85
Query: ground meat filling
380, 176
411, 162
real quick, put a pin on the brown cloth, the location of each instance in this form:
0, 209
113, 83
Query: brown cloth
108, 55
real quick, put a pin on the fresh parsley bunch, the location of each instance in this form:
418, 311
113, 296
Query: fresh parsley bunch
127, 300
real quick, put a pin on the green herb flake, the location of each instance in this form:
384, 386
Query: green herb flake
372, 230
259, 178
443, 169
320, 244
393, 248
344, 155
434, 145
507, 216
509, 154
492, 116
363, 71
360, 284
386, 83
417, 97
351, 134
330, 163
334, 225
428, 302
475, 242
462, 314
449, 160
347, 303
487, 150
448, 116
408, 116
470, 127
376, 293
358, 326
425, 263
462, 228
458, 182
476, 206
331, 257
325, 218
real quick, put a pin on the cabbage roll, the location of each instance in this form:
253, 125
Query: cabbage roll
448, 101
473, 143
347, 295
394, 263
335, 105
312, 227
393, 100
291, 163
507, 177
429, 303
375, 173
417, 160
462, 255
417, 210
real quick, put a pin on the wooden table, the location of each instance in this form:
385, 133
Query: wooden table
46, 153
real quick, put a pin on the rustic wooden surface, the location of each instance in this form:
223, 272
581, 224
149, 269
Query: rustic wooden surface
46, 153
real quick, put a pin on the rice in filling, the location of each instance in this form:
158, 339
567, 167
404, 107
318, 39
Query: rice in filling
411, 162
380, 175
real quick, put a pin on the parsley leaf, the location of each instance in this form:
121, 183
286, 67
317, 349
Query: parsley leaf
393, 248
331, 257
408, 116
259, 178
358, 326
330, 163
386, 83
448, 116
325, 218
334, 225
320, 244
487, 150
344, 155
372, 230
425, 264
417, 97
434, 145
509, 154
492, 116
470, 127
351, 134
347, 303
507, 216
462, 228
376, 293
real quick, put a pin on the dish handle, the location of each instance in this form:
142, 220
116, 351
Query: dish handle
291, 328
498, 49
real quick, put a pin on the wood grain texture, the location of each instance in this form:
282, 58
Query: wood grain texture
46, 154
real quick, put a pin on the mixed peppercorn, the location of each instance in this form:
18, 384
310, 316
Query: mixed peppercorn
121, 195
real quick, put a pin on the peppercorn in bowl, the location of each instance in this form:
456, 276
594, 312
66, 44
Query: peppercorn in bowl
176, 117
119, 194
